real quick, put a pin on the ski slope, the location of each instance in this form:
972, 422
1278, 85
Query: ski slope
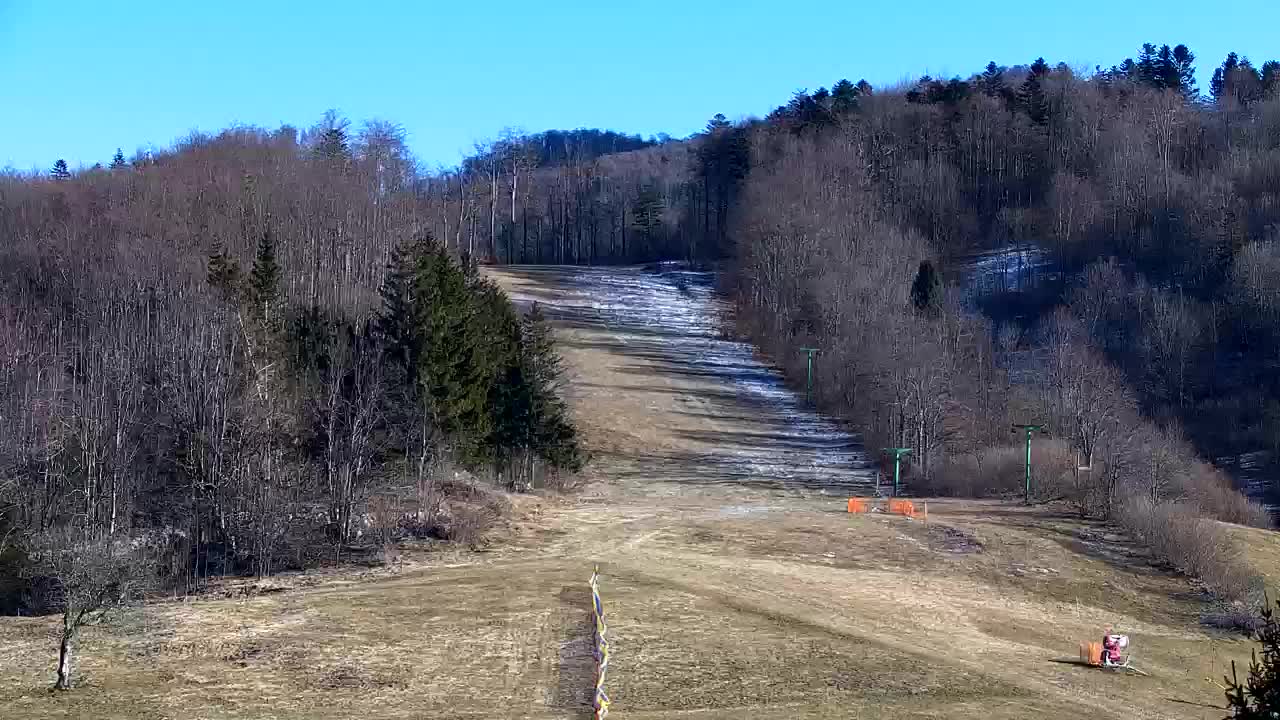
670, 316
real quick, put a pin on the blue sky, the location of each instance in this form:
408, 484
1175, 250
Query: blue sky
79, 78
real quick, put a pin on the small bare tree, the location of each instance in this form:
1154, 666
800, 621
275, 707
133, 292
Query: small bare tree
92, 579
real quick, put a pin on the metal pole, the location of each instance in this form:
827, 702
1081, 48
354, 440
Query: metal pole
1028, 429
808, 384
897, 461
808, 381
897, 464
1027, 495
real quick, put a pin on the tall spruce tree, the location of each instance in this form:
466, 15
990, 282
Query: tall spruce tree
926, 290
264, 279
530, 420
844, 97
396, 323
495, 324
554, 437
992, 80
332, 145
1270, 79
1184, 72
449, 366
1146, 70
511, 428
60, 171
723, 161
646, 213
429, 330
117, 160
1031, 95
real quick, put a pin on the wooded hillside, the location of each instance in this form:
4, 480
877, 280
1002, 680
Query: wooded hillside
176, 320
248, 353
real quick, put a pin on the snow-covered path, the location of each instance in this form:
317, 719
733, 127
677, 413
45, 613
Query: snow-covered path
750, 428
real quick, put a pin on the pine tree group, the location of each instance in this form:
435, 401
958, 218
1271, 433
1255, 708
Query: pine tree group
1239, 81
487, 379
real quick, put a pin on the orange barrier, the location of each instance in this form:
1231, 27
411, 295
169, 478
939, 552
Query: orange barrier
902, 507
1091, 653
893, 506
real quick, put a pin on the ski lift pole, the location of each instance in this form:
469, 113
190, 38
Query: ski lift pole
808, 383
1028, 429
897, 462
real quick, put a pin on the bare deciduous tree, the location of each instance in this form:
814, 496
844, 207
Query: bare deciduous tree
92, 579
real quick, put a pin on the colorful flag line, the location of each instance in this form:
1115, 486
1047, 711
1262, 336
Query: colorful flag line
600, 701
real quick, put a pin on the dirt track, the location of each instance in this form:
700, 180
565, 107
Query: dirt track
735, 584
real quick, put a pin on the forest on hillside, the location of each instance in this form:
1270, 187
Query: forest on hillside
1156, 206
249, 354
1146, 349
1153, 202
152, 387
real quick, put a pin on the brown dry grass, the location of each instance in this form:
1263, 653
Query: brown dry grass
722, 601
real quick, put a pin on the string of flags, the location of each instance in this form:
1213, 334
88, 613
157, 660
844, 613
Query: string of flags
600, 700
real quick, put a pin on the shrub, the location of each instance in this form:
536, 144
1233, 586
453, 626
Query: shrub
466, 512
987, 473
1214, 495
1194, 545
1001, 471
468, 523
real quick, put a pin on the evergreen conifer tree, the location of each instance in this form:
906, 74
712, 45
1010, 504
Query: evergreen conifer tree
396, 323
1217, 85
1184, 71
451, 365
926, 290
1031, 95
264, 279
844, 96
822, 98
224, 273
495, 325
1165, 71
1147, 68
427, 320
992, 80
1258, 698
1270, 79
510, 397
1232, 79
554, 437
332, 145
646, 212
117, 160
60, 171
